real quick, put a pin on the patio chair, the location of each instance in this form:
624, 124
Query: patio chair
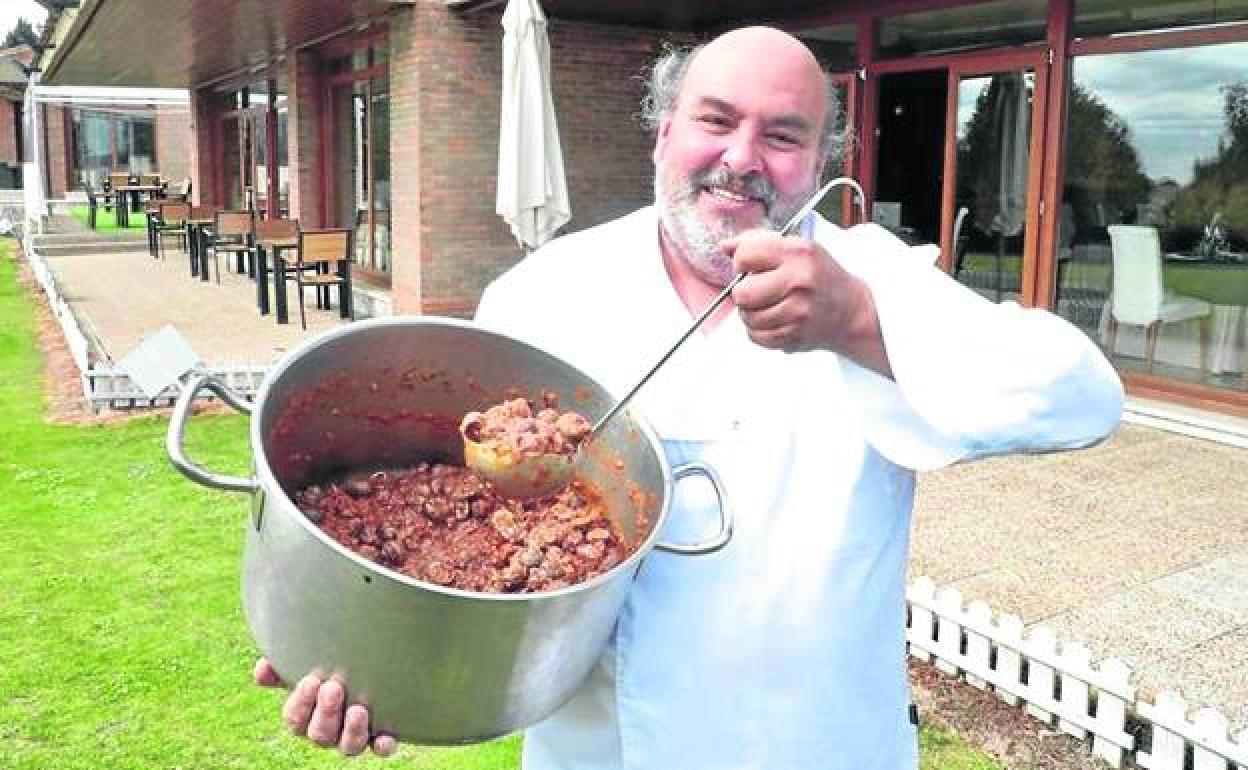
1139, 298
231, 234
323, 260
96, 202
170, 219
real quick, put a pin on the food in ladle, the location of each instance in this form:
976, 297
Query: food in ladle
513, 427
441, 524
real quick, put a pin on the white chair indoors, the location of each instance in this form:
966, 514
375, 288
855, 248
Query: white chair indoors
1139, 297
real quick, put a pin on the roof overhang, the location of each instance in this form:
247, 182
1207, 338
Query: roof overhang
674, 15
190, 43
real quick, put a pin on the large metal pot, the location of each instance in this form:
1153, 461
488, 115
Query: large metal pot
436, 665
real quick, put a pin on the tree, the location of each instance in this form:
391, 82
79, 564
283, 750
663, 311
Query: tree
23, 33
1101, 161
1219, 186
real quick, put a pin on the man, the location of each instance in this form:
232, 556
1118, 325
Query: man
843, 362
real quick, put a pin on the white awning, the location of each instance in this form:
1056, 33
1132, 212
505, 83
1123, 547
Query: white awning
107, 95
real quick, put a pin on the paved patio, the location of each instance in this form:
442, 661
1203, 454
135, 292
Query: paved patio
1137, 547
120, 298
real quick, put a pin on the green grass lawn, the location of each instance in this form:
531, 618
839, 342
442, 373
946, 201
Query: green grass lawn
121, 631
106, 220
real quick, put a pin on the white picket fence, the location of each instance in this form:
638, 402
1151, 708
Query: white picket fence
102, 383
108, 387
1058, 682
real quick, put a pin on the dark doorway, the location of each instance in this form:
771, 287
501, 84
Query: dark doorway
911, 151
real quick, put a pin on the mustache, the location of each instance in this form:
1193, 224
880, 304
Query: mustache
753, 184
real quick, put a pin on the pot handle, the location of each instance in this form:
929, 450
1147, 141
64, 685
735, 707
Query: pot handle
177, 427
721, 538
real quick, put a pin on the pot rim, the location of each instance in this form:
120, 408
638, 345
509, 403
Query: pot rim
268, 481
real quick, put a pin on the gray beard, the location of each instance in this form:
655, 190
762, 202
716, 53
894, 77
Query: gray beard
699, 242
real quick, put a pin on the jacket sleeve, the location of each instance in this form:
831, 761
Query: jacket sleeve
973, 378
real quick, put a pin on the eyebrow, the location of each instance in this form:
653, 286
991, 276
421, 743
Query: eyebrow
788, 120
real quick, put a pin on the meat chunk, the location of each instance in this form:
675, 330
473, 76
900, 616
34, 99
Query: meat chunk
515, 426
440, 524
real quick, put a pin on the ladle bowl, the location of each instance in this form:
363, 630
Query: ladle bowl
520, 475
540, 474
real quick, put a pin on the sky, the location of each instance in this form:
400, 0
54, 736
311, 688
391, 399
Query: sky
12, 10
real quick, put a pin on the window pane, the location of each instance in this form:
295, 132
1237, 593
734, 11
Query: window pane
142, 145
92, 147
1158, 141
990, 199
1096, 18
967, 28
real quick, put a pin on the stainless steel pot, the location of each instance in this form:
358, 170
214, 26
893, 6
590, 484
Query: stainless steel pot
436, 665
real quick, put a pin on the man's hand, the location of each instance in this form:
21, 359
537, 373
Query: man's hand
315, 709
798, 298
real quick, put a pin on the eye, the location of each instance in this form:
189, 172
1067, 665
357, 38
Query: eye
784, 140
714, 120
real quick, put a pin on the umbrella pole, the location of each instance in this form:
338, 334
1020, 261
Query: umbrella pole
997, 260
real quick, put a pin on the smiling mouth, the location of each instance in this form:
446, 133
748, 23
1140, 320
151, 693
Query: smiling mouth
731, 196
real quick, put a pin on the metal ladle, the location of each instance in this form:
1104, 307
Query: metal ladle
532, 475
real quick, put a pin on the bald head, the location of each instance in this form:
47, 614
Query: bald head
765, 51
756, 52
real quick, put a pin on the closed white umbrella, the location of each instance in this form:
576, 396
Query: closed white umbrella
532, 191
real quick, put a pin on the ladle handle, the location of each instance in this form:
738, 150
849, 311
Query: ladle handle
715, 303
806, 208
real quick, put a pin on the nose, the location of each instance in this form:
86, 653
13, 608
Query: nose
741, 154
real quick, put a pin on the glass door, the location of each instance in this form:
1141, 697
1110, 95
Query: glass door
910, 153
360, 168
991, 243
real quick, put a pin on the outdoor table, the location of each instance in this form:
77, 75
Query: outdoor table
131, 192
276, 245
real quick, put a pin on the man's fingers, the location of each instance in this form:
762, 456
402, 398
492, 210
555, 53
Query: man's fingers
326, 725
783, 315
757, 291
264, 674
354, 731
298, 708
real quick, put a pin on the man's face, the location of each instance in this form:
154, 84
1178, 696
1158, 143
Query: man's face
740, 150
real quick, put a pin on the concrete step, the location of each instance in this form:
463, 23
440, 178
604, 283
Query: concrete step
136, 236
90, 247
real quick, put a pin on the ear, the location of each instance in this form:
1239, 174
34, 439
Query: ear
661, 136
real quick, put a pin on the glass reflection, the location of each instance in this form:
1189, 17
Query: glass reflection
990, 200
1157, 153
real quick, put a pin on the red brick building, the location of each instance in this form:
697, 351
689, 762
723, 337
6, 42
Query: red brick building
1016, 134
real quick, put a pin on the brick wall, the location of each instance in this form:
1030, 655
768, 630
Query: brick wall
56, 134
407, 247
8, 131
205, 167
462, 243
304, 141
173, 144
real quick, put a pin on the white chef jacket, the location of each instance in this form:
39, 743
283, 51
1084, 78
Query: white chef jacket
785, 650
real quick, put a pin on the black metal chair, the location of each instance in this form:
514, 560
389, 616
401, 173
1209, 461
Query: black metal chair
95, 203
170, 219
232, 234
323, 260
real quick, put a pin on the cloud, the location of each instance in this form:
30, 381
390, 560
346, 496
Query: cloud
1171, 100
